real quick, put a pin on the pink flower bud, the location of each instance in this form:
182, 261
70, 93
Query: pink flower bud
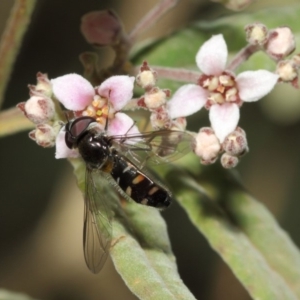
281, 43
44, 135
207, 146
155, 98
101, 28
256, 34
38, 109
235, 143
228, 161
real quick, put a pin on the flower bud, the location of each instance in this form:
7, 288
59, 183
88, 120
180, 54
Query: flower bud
38, 109
147, 77
155, 98
235, 143
44, 135
160, 118
43, 86
256, 34
281, 43
207, 146
228, 161
287, 71
102, 28
179, 124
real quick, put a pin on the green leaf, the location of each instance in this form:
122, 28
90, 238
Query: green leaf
141, 249
12, 38
240, 230
148, 270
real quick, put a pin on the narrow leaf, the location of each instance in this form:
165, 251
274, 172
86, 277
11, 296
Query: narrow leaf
13, 121
12, 38
141, 249
250, 265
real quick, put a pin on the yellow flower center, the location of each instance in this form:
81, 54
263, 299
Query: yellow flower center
100, 109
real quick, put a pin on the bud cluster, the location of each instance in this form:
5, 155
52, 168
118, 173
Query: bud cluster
208, 147
40, 110
155, 100
278, 43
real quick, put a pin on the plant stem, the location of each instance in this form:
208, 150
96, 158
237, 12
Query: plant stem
177, 74
242, 56
151, 17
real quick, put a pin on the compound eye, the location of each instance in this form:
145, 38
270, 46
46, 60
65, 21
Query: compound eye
76, 128
69, 140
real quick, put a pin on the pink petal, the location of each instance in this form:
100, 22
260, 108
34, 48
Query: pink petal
73, 91
118, 89
62, 151
212, 56
224, 119
186, 101
121, 124
253, 85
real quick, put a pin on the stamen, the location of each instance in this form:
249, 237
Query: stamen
213, 83
226, 80
231, 95
217, 98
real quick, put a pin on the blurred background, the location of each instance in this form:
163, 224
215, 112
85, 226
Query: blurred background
41, 209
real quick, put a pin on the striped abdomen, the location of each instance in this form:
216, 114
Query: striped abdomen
138, 186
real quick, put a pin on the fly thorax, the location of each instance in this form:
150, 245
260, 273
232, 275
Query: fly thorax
94, 150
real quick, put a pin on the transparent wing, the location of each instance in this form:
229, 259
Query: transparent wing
97, 229
154, 147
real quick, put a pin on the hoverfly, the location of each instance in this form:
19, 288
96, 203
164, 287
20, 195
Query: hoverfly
119, 161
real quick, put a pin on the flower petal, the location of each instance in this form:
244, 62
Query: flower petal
73, 91
224, 119
118, 89
62, 150
253, 85
212, 56
121, 124
186, 101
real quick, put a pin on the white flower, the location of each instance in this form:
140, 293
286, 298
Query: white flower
220, 90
